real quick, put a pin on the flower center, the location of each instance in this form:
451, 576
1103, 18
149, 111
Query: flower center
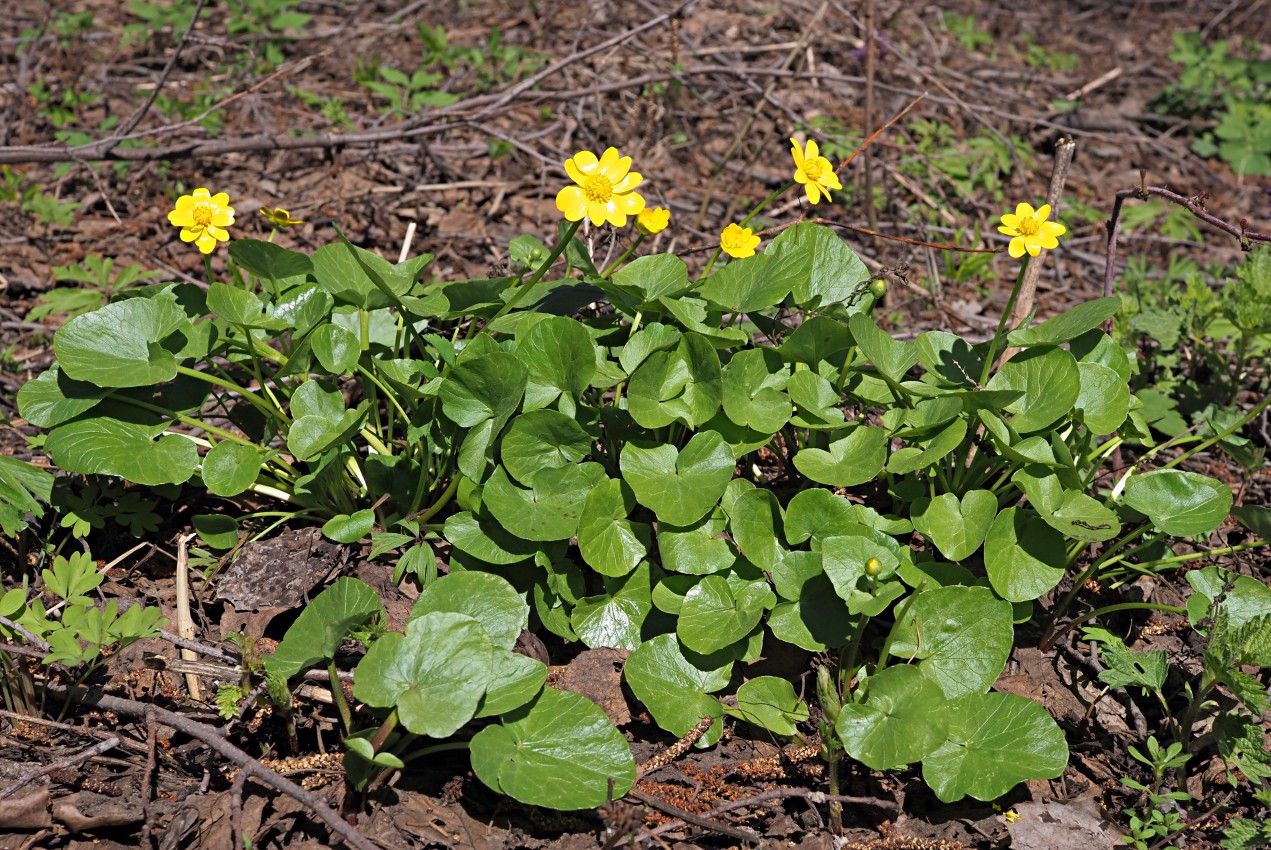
812, 169
598, 189
202, 214
1029, 227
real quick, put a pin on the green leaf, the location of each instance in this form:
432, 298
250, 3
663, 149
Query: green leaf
485, 597
835, 269
52, 398
957, 527
336, 349
487, 541
698, 549
105, 445
653, 276
1070, 512
560, 360
755, 520
753, 384
121, 345
747, 285
852, 459
483, 388
614, 619
303, 307
844, 560
230, 468
962, 634
682, 385
560, 753
240, 307
1104, 399
323, 625
818, 401
1050, 383
995, 741
817, 618
679, 486
770, 703
434, 674
816, 514
349, 528
900, 722
1179, 503
816, 340
550, 509
542, 439
515, 680
1069, 324
890, 356
1023, 555
267, 260
611, 544
949, 357
713, 618
674, 690
216, 530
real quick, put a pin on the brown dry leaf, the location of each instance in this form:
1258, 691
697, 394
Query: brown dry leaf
597, 675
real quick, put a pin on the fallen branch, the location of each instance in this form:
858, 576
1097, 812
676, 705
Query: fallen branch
70, 761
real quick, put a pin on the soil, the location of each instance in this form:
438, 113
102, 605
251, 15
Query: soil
705, 100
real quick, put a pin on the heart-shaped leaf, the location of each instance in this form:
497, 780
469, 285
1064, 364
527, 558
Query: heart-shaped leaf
104, 445
434, 674
560, 752
770, 703
892, 357
323, 625
681, 385
835, 270
1179, 503
746, 285
674, 690
698, 549
487, 598
852, 459
957, 527
679, 486
1050, 382
560, 359
548, 510
994, 742
614, 618
753, 396
1023, 555
611, 544
962, 634
120, 345
542, 439
900, 722
714, 617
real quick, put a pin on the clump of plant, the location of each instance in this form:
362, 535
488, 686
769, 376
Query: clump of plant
710, 467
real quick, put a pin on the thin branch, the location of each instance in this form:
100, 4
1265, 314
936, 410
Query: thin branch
135, 119
70, 761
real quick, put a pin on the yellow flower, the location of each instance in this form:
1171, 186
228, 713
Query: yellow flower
604, 191
813, 171
1011, 815
1030, 231
279, 217
651, 221
738, 241
203, 218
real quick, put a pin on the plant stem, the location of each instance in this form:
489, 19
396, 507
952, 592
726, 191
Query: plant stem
538, 275
1001, 325
341, 703
613, 267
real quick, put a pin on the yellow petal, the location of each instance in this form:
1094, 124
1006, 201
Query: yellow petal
1054, 228
630, 203
629, 182
1043, 212
201, 193
616, 171
1016, 248
811, 151
181, 218
814, 193
797, 154
585, 161
599, 213
206, 244
831, 180
572, 203
574, 172
224, 218
1022, 211
608, 159
189, 234
221, 199
1033, 248
1009, 231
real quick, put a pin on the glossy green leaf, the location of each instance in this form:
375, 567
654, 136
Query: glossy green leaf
995, 741
550, 508
1023, 555
52, 398
323, 625
679, 486
962, 635
1069, 324
611, 544
120, 345
770, 703
230, 468
892, 357
1179, 503
816, 619
844, 559
653, 276
675, 691
901, 721
1070, 512
434, 674
560, 359
680, 385
105, 445
305, 306
815, 514
714, 617
698, 549
819, 404
929, 451
542, 439
852, 459
1104, 399
957, 526
349, 528
949, 357
486, 540
756, 523
487, 598
1050, 382
614, 618
483, 388
744, 286
336, 349
237, 306
817, 339
267, 260
754, 381
514, 681
835, 270
560, 752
